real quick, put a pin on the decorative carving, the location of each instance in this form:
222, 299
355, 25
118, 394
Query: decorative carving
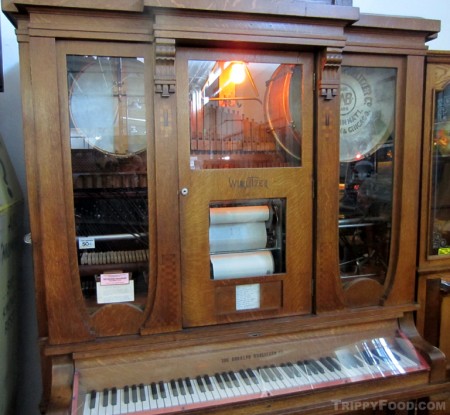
165, 67
329, 76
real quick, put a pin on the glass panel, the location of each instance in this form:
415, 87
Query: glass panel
109, 166
246, 239
367, 148
440, 188
244, 114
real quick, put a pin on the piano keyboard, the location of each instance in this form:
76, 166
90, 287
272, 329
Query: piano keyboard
246, 384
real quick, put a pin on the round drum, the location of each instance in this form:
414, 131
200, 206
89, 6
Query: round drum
282, 108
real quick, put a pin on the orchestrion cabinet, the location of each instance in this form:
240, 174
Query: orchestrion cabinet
434, 258
223, 201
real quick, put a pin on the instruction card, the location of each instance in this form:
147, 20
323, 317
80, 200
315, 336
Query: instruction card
115, 288
248, 297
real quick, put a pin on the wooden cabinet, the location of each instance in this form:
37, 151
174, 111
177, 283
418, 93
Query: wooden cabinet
434, 260
215, 190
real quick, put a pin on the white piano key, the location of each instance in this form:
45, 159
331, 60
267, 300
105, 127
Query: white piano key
122, 400
230, 385
173, 393
93, 403
248, 386
310, 379
165, 400
145, 402
193, 391
203, 393
136, 401
220, 386
184, 390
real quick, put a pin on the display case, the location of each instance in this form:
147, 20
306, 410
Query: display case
218, 191
434, 260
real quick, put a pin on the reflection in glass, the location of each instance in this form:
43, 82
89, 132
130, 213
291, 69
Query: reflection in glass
109, 171
440, 190
367, 148
244, 114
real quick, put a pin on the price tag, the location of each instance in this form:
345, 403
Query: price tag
86, 243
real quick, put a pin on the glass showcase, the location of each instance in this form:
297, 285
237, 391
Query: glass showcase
367, 148
439, 242
244, 114
109, 169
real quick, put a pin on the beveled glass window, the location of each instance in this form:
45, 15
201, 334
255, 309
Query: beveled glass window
108, 141
367, 147
244, 114
439, 243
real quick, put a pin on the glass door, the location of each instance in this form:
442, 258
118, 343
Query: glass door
245, 185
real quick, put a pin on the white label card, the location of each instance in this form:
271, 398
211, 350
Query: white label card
119, 293
248, 297
86, 243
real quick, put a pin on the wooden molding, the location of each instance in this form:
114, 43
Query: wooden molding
329, 76
165, 67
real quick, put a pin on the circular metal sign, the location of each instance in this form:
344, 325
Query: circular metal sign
367, 99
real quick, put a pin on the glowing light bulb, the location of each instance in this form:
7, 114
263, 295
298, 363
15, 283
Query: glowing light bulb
237, 74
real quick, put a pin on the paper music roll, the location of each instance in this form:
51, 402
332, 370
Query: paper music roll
238, 214
242, 265
237, 236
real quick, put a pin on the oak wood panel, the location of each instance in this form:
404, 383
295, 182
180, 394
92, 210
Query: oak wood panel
406, 186
273, 7
203, 27
31, 163
328, 288
91, 25
62, 297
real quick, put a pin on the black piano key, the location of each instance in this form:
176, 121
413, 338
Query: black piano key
114, 396
181, 386
311, 366
162, 389
227, 380
270, 373
173, 386
303, 366
244, 376
253, 378
200, 384
317, 366
154, 390
208, 382
134, 397
334, 363
105, 398
369, 358
142, 395
92, 399
234, 379
263, 374
327, 364
286, 369
126, 394
294, 370
189, 385
277, 372
219, 381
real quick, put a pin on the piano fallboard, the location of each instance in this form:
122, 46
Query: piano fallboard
282, 368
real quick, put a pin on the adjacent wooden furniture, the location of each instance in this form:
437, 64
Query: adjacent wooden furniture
222, 191
434, 253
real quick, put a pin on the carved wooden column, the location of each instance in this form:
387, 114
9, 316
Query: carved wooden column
166, 312
329, 291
